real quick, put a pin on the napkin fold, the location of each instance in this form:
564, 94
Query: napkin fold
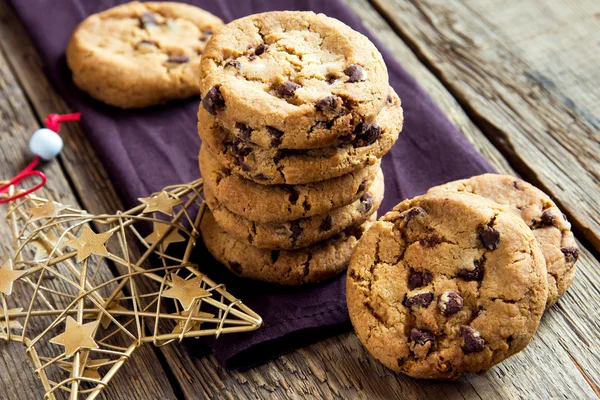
145, 150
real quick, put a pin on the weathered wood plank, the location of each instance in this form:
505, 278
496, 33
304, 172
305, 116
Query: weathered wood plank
551, 140
337, 367
17, 123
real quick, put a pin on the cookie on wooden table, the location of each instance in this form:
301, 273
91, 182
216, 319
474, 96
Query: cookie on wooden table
446, 284
312, 264
292, 79
548, 223
300, 232
140, 54
279, 203
293, 167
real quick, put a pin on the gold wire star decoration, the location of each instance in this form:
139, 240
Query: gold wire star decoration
89, 243
46, 210
76, 336
82, 292
161, 203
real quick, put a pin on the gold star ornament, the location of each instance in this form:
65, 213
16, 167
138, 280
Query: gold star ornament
91, 368
77, 336
160, 233
180, 326
186, 291
49, 209
161, 203
89, 243
8, 277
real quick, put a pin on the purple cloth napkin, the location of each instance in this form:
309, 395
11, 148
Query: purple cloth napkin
146, 150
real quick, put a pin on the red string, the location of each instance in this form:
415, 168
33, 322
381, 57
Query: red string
53, 122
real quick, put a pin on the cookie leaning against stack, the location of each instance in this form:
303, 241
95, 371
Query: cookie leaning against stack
295, 115
456, 280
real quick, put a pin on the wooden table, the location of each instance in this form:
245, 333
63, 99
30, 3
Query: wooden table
520, 78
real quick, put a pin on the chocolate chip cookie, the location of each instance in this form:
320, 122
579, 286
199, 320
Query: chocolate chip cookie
140, 54
312, 264
300, 232
446, 284
292, 79
367, 143
279, 203
548, 223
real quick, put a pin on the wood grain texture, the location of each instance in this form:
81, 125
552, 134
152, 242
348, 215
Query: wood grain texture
339, 367
17, 123
551, 140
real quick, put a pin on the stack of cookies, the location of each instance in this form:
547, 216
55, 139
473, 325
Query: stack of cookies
296, 114
457, 280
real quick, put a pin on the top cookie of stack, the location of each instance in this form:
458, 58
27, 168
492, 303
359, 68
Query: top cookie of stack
292, 80
296, 112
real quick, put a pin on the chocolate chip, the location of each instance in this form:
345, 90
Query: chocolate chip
245, 166
148, 20
389, 99
178, 59
547, 218
367, 201
355, 73
213, 101
346, 138
490, 238
370, 134
450, 303
276, 135
331, 79
296, 230
362, 186
274, 256
244, 131
330, 105
420, 336
294, 196
251, 57
475, 274
287, 89
419, 278
472, 341
571, 253
261, 177
233, 63
413, 213
236, 267
419, 300
260, 49
239, 149
327, 224
431, 241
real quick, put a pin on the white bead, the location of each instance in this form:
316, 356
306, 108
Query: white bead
45, 143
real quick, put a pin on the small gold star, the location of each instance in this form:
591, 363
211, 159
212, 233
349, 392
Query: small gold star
8, 277
186, 291
193, 325
49, 209
76, 336
161, 203
89, 243
90, 370
159, 233
12, 324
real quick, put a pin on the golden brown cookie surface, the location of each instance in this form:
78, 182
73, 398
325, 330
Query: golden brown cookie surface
548, 223
446, 284
141, 54
292, 79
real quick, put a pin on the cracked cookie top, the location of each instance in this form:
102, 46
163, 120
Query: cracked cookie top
292, 79
446, 284
548, 223
140, 54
